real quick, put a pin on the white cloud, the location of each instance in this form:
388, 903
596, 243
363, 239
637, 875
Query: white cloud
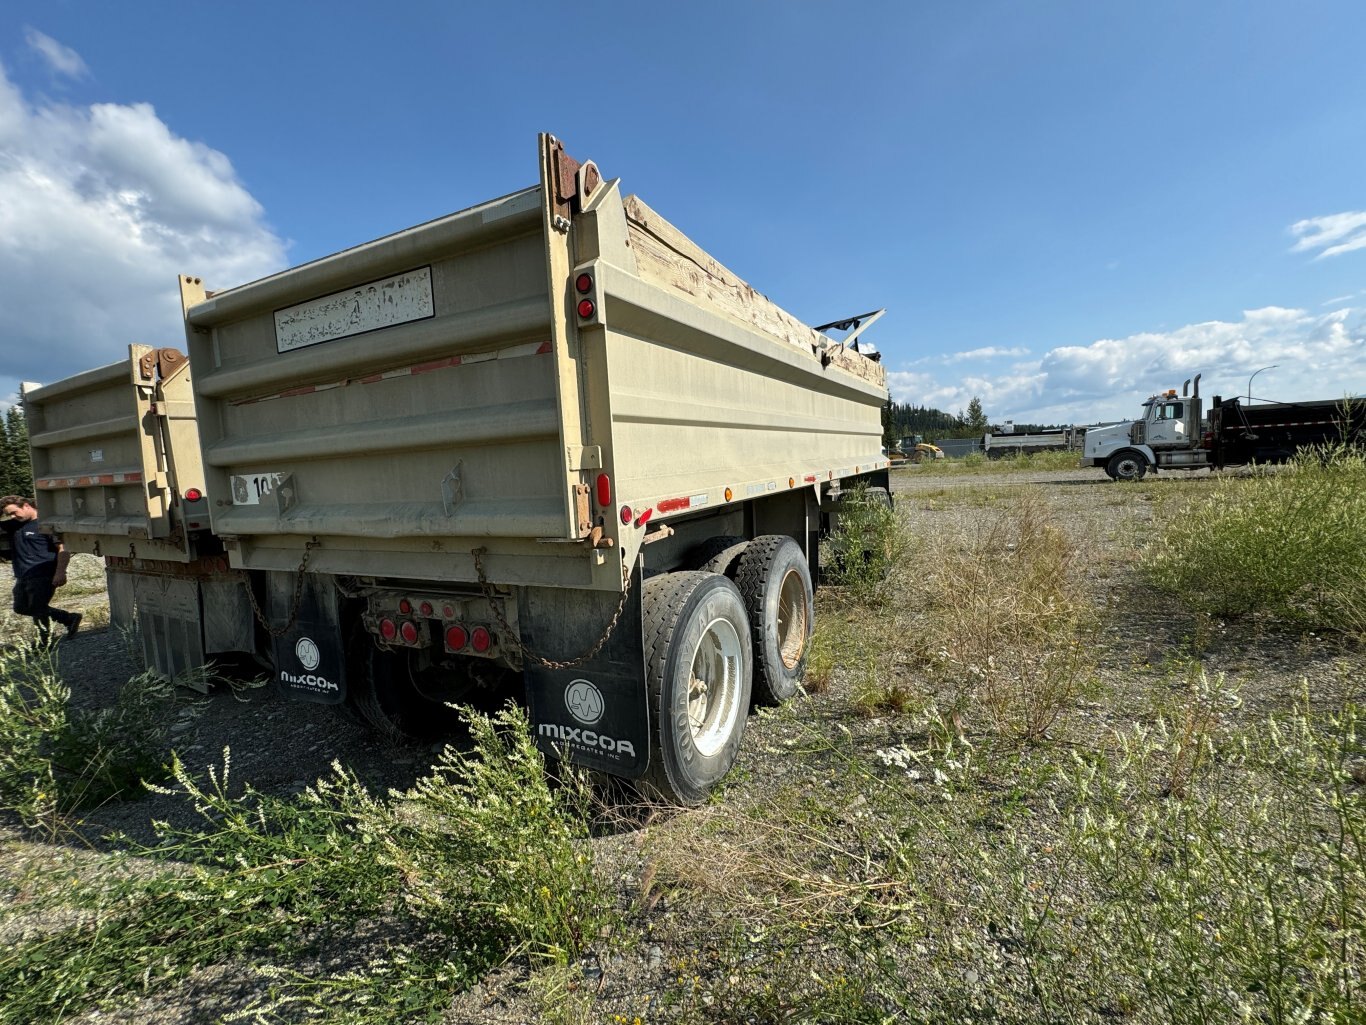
100, 208
61, 59
1318, 355
988, 352
1332, 235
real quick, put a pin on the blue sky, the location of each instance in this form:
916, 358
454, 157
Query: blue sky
1064, 206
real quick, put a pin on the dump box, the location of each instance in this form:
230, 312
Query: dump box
117, 471
471, 442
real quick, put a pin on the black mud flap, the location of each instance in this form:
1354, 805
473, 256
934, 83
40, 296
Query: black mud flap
309, 659
597, 713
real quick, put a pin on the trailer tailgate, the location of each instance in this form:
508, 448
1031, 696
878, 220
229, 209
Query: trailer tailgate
99, 467
400, 394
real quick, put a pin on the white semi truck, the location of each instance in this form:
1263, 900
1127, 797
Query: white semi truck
1173, 433
545, 443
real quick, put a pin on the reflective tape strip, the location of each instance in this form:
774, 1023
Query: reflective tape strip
670, 505
95, 481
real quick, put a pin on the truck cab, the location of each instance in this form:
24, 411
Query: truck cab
1170, 435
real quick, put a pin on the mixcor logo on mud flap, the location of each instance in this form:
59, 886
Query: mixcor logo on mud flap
306, 651
584, 701
586, 704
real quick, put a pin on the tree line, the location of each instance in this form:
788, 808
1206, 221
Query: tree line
903, 419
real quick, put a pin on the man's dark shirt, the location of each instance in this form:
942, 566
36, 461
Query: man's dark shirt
34, 553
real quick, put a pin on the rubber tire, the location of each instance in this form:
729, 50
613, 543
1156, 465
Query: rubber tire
1116, 468
766, 565
677, 609
719, 554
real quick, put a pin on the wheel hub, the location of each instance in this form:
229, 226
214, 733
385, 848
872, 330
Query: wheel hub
714, 686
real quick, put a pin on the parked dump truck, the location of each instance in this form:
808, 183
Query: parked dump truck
544, 442
1174, 435
997, 445
117, 474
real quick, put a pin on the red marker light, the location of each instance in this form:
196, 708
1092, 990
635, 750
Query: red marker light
388, 629
457, 638
193, 495
626, 515
405, 606
447, 612
604, 483
586, 308
583, 283
481, 639
426, 608
408, 631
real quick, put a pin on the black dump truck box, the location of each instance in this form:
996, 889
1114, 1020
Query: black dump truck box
1273, 432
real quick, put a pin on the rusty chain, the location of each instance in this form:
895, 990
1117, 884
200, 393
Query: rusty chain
298, 595
495, 603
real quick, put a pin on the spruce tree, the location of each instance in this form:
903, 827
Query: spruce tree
16, 474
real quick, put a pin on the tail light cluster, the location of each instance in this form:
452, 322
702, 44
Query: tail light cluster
587, 307
415, 621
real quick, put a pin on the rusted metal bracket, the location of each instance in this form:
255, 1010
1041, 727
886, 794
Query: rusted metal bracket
581, 508
574, 182
160, 364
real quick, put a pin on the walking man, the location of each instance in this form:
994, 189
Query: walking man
39, 567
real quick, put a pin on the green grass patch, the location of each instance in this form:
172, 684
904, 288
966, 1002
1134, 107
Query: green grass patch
1288, 544
1006, 626
976, 463
868, 541
936, 882
55, 760
481, 861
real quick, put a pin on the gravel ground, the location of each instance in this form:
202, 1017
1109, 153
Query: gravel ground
280, 747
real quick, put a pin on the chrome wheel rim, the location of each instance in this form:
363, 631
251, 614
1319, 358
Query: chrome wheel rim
714, 686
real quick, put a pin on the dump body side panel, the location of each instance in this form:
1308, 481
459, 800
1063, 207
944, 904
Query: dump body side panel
1273, 432
704, 393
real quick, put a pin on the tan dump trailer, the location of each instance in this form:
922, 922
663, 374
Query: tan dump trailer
117, 472
545, 442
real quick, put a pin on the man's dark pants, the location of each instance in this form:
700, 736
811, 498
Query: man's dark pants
33, 597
